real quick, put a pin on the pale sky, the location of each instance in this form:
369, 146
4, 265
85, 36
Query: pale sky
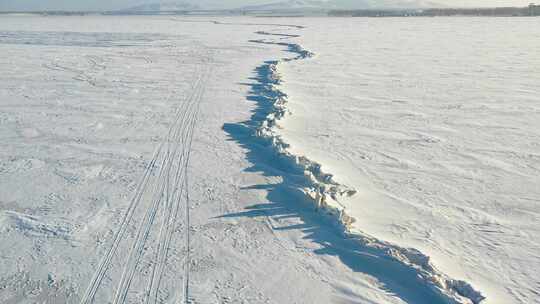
10, 5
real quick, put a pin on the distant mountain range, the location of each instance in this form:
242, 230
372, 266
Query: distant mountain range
341, 4
292, 4
163, 6
287, 5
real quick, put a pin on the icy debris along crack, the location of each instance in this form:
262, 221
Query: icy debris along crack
325, 193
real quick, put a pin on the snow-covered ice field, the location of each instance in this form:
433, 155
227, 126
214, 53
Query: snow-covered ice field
144, 160
436, 123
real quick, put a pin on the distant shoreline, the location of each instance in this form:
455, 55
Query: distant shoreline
531, 10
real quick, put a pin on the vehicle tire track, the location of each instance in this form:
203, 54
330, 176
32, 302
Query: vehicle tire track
169, 161
172, 204
187, 261
179, 127
128, 216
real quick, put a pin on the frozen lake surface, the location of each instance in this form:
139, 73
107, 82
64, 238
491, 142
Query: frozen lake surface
436, 123
145, 160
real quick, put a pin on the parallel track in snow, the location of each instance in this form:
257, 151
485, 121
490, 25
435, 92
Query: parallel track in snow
165, 179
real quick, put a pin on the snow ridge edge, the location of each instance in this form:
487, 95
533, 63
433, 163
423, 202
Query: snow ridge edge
324, 192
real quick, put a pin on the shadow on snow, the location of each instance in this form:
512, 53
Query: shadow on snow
285, 200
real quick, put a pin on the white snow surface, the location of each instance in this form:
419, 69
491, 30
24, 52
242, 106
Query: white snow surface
130, 172
145, 159
436, 123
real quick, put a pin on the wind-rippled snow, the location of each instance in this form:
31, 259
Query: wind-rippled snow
436, 121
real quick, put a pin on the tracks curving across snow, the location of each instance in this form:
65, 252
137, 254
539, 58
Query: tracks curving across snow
325, 193
165, 182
